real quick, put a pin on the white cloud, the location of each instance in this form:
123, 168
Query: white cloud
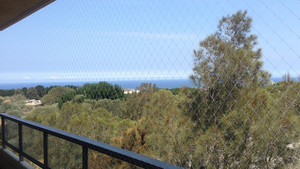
26, 77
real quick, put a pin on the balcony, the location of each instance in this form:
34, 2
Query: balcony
10, 160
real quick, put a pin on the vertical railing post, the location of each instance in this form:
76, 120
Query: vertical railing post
3, 132
45, 147
85, 157
20, 141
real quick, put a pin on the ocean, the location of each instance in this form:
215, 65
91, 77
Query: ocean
132, 84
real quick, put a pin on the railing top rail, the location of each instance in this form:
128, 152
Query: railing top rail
122, 154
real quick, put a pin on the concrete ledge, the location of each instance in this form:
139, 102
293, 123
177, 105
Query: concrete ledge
8, 160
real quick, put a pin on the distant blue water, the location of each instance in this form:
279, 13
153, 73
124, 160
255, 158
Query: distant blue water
124, 84
276, 79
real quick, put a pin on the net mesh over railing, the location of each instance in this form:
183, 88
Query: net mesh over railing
198, 84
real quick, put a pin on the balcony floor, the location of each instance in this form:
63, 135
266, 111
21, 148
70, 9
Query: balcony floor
9, 160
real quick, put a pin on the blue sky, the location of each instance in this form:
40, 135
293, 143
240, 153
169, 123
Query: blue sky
137, 39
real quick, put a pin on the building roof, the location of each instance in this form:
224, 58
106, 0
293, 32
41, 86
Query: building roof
12, 11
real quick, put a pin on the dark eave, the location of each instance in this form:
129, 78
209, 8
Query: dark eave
12, 11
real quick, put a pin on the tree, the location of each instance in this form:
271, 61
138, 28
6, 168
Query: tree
94, 91
41, 90
55, 94
11, 108
239, 124
44, 114
18, 97
32, 93
116, 107
24, 90
66, 97
98, 124
227, 62
8, 92
18, 91
136, 101
79, 98
163, 131
288, 93
101, 90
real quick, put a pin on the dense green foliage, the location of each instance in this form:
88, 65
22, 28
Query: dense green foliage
163, 130
226, 64
7, 92
31, 93
40, 90
68, 96
101, 90
11, 108
236, 116
55, 94
93, 91
1, 100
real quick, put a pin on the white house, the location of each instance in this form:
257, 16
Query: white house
130, 91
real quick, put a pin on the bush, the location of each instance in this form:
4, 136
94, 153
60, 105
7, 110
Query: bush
18, 97
1, 100
15, 112
4, 107
79, 98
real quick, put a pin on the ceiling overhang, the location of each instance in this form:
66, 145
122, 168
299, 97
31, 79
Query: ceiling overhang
12, 11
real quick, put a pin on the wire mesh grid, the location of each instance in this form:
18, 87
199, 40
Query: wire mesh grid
198, 84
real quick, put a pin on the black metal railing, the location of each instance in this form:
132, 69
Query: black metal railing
118, 153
